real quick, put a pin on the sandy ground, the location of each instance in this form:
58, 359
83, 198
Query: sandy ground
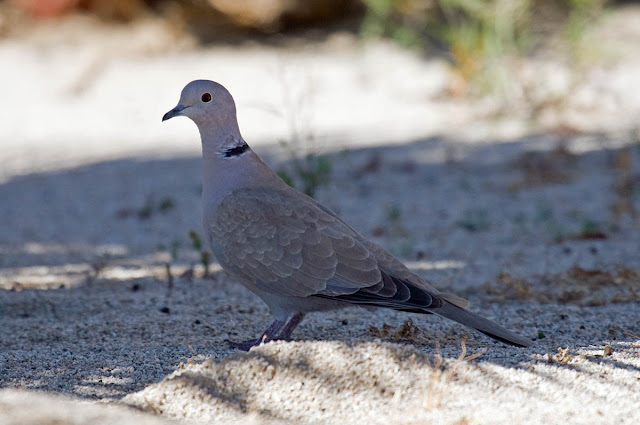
532, 221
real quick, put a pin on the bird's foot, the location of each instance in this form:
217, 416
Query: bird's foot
269, 335
244, 345
277, 331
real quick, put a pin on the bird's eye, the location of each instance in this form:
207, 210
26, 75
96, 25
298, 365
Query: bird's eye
206, 97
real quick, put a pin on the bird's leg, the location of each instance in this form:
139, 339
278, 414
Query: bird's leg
269, 335
290, 325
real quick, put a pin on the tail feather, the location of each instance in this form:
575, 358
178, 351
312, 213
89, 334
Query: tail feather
486, 326
455, 300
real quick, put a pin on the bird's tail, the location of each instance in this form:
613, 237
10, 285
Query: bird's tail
486, 326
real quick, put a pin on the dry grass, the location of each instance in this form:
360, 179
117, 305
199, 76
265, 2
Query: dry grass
625, 184
588, 287
545, 167
444, 374
631, 334
407, 332
443, 371
562, 356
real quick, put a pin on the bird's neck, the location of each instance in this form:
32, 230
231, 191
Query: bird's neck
230, 164
219, 141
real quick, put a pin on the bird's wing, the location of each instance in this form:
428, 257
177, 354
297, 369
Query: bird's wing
290, 245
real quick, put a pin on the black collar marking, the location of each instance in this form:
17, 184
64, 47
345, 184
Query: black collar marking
236, 150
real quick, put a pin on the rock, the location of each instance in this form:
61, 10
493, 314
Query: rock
121, 10
46, 8
125, 10
272, 15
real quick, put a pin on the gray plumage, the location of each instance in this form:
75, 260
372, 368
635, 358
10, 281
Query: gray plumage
291, 251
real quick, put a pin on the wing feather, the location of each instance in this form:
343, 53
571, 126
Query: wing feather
286, 243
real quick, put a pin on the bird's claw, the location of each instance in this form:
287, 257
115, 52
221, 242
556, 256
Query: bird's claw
244, 345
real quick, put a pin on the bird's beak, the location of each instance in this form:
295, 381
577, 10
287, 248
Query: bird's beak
174, 112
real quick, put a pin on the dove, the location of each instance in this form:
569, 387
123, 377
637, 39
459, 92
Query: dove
288, 249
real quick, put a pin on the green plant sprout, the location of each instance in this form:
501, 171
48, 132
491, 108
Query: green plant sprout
205, 256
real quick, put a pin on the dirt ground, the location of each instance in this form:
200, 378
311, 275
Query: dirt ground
107, 317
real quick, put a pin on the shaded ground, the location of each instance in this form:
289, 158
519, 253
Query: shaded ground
110, 323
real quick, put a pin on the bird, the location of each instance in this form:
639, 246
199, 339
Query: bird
297, 255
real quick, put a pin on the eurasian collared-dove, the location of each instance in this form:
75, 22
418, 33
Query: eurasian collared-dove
288, 249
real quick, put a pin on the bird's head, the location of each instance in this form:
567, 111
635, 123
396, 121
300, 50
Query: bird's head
207, 103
